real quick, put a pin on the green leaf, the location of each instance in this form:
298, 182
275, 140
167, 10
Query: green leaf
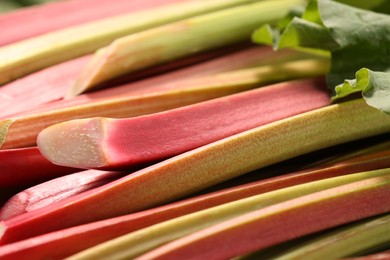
303, 33
266, 35
374, 86
356, 38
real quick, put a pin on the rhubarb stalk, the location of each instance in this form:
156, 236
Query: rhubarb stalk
120, 143
63, 243
42, 51
136, 243
206, 166
22, 130
343, 242
54, 190
241, 58
46, 85
26, 166
175, 40
281, 222
67, 13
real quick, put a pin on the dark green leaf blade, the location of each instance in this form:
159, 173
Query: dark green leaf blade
356, 38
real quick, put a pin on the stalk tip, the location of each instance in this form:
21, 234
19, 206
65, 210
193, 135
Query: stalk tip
4, 125
75, 143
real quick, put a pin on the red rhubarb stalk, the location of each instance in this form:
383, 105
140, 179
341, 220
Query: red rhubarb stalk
204, 167
25, 57
26, 166
66, 13
385, 255
352, 239
44, 86
179, 39
183, 77
60, 244
54, 190
124, 143
22, 130
281, 222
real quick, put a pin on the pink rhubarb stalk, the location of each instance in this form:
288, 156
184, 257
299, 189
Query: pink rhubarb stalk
26, 166
62, 243
55, 190
67, 13
25, 57
385, 255
22, 130
44, 86
204, 167
124, 143
50, 84
281, 222
183, 77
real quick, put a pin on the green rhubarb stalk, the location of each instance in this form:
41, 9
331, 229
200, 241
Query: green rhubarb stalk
136, 243
22, 131
7, 5
175, 40
206, 166
81, 237
342, 242
375, 256
42, 51
67, 13
282, 222
49, 84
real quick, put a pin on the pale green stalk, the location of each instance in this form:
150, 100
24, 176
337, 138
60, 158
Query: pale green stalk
176, 40
22, 131
6, 6
340, 243
141, 241
19, 59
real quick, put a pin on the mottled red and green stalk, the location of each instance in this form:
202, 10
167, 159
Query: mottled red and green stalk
24, 57
126, 143
62, 243
55, 190
205, 166
67, 13
164, 92
277, 223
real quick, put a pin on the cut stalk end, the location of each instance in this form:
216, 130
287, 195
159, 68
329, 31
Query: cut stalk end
2, 230
87, 79
4, 125
82, 138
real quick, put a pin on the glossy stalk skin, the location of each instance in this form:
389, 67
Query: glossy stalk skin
345, 241
135, 244
113, 144
281, 222
242, 58
67, 13
26, 166
25, 57
191, 172
22, 130
377, 256
49, 85
62, 243
8, 6
178, 39
55, 190
45, 86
